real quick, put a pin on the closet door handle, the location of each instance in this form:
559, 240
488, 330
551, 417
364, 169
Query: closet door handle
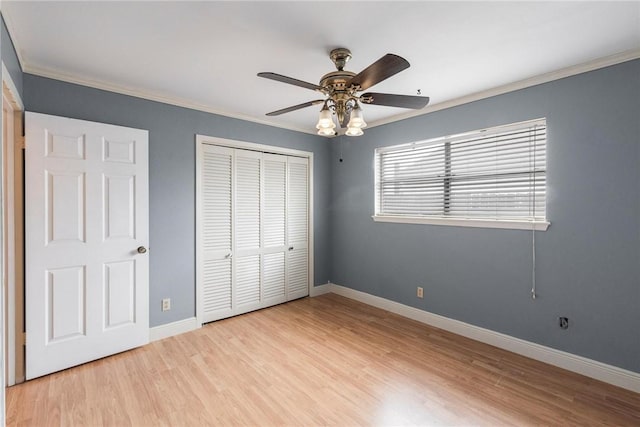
290, 248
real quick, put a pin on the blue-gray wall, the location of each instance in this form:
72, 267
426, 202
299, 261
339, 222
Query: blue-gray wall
172, 133
588, 262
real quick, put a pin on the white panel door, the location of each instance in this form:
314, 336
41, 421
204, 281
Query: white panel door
298, 228
87, 270
215, 178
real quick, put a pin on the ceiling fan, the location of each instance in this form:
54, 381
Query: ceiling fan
341, 90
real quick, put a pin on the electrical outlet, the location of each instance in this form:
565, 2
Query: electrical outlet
166, 304
420, 292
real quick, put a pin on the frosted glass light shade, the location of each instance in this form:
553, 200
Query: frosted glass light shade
354, 132
325, 120
356, 120
326, 132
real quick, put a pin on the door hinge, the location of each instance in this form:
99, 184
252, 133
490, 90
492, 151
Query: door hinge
20, 141
24, 338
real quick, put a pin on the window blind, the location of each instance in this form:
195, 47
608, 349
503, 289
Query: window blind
497, 173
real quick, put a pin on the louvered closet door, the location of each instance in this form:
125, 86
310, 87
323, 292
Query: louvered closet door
254, 224
247, 235
216, 226
297, 228
275, 224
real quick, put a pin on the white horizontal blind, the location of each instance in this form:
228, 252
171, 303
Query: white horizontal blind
497, 173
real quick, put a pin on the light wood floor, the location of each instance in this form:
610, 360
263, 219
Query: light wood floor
326, 360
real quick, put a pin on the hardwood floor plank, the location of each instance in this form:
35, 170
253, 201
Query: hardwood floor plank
318, 361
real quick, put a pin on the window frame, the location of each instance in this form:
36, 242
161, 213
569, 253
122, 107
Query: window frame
506, 223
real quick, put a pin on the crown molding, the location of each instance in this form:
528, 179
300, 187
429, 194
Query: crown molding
151, 96
13, 35
596, 64
123, 90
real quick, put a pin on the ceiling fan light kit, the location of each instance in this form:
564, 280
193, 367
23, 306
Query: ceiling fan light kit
354, 132
325, 120
356, 122
341, 88
327, 132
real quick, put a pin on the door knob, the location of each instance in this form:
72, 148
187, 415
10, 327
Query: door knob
142, 250
290, 248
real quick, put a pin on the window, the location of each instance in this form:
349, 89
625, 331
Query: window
489, 178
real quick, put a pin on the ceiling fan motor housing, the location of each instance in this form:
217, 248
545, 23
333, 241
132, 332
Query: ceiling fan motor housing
340, 57
335, 83
335, 87
336, 80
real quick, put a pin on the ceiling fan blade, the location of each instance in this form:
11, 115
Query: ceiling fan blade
289, 80
295, 107
380, 70
390, 100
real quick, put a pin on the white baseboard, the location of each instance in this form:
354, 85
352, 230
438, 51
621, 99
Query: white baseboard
571, 362
174, 328
181, 326
320, 290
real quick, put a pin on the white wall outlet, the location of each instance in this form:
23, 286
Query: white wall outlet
166, 304
420, 292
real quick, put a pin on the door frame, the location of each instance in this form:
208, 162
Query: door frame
202, 140
13, 235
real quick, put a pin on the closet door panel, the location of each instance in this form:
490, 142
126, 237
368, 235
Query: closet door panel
216, 229
247, 226
274, 277
275, 224
297, 215
298, 273
247, 281
247, 200
297, 227
216, 275
275, 191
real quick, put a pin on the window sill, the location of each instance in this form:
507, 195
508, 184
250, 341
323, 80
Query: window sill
460, 222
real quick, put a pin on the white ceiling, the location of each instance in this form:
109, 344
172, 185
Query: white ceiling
206, 54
